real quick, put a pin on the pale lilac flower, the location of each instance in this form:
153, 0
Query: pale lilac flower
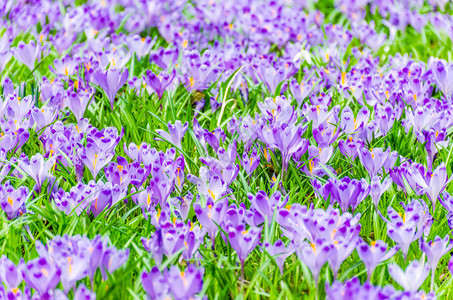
176, 133
111, 81
412, 278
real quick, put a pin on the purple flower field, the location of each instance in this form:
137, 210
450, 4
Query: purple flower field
209, 149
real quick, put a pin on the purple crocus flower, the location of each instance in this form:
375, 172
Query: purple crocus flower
37, 168
155, 284
243, 241
404, 229
100, 149
347, 192
102, 199
77, 102
266, 205
159, 83
10, 274
176, 133
280, 252
374, 254
113, 259
340, 251
377, 188
443, 75
43, 116
141, 46
349, 124
250, 163
185, 284
12, 201
182, 205
27, 53
350, 148
111, 81
434, 184
42, 274
83, 293
287, 139
435, 250
314, 255
412, 278
66, 66
351, 289
373, 159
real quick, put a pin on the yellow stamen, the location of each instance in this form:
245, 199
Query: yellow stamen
313, 246
95, 161
212, 194
311, 165
158, 214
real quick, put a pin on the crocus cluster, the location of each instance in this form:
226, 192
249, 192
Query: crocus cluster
269, 136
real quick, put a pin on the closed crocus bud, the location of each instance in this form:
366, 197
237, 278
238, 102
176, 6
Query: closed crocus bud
175, 133
377, 188
111, 81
